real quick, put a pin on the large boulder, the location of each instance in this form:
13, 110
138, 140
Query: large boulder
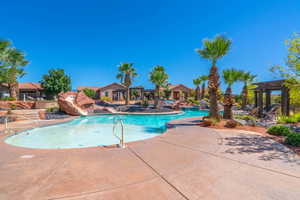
84, 101
65, 105
74, 103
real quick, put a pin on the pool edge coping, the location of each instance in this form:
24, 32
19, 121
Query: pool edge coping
169, 126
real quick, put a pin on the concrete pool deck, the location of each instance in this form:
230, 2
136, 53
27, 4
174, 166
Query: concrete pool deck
189, 162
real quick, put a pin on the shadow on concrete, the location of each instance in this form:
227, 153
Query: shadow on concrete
174, 125
266, 147
153, 130
185, 123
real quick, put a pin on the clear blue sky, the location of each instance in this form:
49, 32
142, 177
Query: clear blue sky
90, 38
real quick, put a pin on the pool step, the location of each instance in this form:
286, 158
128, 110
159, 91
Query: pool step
27, 114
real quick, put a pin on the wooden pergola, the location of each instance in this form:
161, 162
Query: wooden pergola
267, 87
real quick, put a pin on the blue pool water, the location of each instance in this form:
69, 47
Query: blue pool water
94, 131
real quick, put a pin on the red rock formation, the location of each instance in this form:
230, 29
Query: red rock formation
17, 105
83, 101
65, 105
74, 103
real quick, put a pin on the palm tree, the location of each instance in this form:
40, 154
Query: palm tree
159, 78
126, 75
230, 76
197, 83
4, 44
11, 62
4, 47
167, 92
214, 50
247, 78
203, 79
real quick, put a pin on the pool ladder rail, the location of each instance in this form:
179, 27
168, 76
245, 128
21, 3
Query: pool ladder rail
8, 130
117, 120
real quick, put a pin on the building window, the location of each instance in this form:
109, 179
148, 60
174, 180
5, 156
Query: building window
106, 94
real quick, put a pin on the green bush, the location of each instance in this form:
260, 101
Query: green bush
8, 99
90, 93
193, 101
287, 120
52, 109
145, 103
291, 119
13, 106
279, 130
245, 117
293, 139
104, 98
250, 119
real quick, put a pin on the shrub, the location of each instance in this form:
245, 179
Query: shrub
279, 130
104, 98
145, 103
245, 117
209, 121
193, 101
90, 93
52, 109
206, 123
231, 124
286, 119
249, 118
8, 99
13, 106
291, 119
293, 139
297, 117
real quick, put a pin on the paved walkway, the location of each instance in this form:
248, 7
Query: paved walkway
189, 162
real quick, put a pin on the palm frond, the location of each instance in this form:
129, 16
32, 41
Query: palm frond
158, 76
197, 82
231, 76
247, 77
214, 49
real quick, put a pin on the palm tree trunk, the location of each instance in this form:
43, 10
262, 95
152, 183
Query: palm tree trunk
13, 83
156, 98
244, 97
13, 90
197, 96
127, 96
202, 91
228, 104
213, 85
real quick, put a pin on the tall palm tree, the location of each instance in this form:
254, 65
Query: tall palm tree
203, 79
247, 78
4, 47
11, 62
16, 60
159, 78
4, 44
197, 83
230, 76
126, 75
213, 50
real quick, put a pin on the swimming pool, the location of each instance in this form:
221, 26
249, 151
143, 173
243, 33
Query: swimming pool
97, 130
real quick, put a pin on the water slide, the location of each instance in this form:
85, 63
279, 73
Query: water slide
111, 109
70, 99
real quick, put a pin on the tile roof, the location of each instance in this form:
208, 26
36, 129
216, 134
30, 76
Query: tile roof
177, 85
88, 87
113, 84
30, 86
